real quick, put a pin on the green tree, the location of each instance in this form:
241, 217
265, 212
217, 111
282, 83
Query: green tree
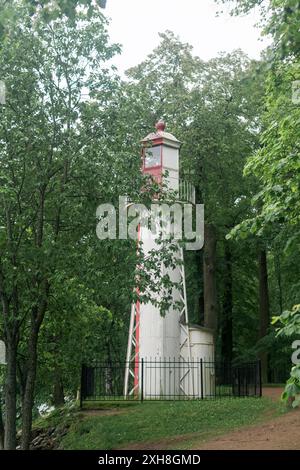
275, 164
49, 174
289, 326
62, 154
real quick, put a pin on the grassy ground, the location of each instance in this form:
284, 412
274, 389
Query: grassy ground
171, 424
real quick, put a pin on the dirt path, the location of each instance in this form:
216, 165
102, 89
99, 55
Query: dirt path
281, 433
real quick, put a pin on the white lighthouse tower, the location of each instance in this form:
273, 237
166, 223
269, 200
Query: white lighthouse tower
161, 349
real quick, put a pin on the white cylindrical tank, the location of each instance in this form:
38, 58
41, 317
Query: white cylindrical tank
202, 343
202, 362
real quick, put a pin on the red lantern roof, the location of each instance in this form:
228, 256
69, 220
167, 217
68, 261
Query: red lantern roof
161, 137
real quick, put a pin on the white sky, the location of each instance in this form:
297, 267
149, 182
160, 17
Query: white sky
136, 24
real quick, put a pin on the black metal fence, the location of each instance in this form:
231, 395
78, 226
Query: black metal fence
170, 380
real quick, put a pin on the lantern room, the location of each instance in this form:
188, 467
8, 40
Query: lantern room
161, 156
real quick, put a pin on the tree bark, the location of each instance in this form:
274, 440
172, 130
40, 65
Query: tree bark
10, 395
264, 310
279, 281
28, 399
1, 427
199, 296
10, 330
58, 389
209, 277
227, 335
37, 316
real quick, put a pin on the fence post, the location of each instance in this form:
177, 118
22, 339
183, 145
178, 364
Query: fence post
201, 371
259, 375
142, 380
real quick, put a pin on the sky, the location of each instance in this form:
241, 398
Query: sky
136, 23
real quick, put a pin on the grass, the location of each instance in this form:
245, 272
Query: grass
60, 417
124, 425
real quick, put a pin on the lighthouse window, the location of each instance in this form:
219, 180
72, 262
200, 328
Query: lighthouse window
153, 157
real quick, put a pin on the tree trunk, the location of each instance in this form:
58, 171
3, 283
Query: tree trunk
199, 296
10, 395
21, 376
1, 428
58, 390
37, 316
28, 398
227, 337
209, 278
279, 281
264, 310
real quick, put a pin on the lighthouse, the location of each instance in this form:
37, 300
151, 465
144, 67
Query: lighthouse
161, 350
